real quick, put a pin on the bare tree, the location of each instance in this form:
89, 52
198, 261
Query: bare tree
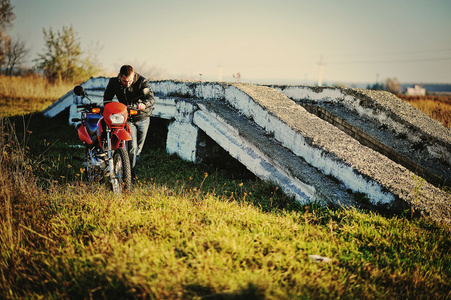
4, 41
6, 14
14, 55
6, 18
149, 71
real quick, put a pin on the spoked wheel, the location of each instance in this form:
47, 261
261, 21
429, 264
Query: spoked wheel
121, 175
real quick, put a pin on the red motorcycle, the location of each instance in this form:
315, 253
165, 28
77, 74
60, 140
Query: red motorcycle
105, 133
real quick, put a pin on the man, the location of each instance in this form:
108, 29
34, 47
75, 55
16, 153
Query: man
133, 90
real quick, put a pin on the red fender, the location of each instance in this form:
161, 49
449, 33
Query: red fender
84, 135
123, 134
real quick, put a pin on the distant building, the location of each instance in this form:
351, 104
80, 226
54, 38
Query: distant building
416, 90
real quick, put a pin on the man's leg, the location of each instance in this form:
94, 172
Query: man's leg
132, 146
141, 128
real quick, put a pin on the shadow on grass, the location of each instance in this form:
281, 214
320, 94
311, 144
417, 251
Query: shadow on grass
250, 292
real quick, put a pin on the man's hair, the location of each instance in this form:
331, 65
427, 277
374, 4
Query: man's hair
126, 70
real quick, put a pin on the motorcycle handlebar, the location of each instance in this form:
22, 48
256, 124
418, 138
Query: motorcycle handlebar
91, 105
87, 105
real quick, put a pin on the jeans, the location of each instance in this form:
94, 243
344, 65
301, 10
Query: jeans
139, 132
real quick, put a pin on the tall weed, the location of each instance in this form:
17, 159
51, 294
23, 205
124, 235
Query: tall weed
18, 196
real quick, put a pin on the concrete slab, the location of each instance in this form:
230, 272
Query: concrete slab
334, 152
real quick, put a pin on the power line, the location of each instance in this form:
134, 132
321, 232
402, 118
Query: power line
394, 61
391, 53
422, 51
374, 57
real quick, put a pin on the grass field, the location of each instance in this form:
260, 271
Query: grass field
190, 231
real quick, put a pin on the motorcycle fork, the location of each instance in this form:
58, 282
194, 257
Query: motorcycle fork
110, 151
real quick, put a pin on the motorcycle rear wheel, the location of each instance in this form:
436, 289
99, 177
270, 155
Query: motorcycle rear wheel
121, 177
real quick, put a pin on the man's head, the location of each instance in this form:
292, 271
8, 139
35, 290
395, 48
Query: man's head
126, 75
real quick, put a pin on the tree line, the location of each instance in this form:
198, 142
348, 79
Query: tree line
61, 59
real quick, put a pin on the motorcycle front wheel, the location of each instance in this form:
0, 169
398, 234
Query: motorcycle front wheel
121, 177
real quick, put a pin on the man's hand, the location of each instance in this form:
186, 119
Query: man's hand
141, 106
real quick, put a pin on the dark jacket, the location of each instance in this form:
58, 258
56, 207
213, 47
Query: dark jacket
132, 95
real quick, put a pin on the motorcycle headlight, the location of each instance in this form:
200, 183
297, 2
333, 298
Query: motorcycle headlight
117, 119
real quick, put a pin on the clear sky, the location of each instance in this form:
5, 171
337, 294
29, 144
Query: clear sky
266, 41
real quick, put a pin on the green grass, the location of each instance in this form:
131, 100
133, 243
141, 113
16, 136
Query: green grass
193, 232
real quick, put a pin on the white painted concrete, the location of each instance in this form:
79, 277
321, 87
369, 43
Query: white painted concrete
182, 140
295, 141
250, 155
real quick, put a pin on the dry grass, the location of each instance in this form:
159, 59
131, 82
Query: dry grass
22, 95
32, 87
437, 107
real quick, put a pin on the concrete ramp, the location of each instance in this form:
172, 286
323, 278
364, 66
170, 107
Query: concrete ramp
95, 88
384, 123
335, 153
266, 157
309, 157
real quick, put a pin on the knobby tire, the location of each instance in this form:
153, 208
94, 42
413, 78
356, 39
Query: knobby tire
122, 168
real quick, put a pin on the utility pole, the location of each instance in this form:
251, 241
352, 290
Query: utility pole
321, 66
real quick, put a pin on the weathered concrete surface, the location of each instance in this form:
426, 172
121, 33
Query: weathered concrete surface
95, 87
385, 123
266, 157
353, 163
